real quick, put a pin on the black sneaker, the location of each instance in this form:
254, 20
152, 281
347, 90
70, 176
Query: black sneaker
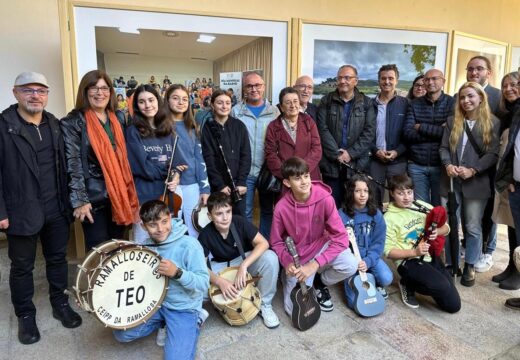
68, 317
323, 297
408, 297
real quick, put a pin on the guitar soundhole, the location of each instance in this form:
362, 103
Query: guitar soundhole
239, 310
366, 285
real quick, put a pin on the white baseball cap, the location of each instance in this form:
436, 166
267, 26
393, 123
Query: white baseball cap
31, 77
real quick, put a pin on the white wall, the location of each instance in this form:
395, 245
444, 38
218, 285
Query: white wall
142, 67
30, 41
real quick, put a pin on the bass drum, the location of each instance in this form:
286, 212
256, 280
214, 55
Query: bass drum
119, 283
244, 307
200, 218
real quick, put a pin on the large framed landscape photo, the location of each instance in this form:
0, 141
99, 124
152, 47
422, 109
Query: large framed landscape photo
324, 48
465, 46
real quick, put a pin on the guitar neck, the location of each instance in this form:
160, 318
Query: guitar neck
291, 247
352, 239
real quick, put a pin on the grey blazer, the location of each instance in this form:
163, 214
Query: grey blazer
476, 187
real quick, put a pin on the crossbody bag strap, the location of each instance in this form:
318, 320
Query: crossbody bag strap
238, 241
472, 141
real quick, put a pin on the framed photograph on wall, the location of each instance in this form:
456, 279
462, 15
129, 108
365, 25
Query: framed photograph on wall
464, 47
515, 59
324, 48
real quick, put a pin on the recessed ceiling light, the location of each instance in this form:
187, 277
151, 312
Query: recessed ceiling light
129, 30
206, 38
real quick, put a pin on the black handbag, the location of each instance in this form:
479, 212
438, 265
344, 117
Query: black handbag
267, 182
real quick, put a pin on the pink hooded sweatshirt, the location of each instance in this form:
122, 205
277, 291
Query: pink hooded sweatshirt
311, 225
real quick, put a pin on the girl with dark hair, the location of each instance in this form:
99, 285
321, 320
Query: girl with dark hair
194, 183
150, 143
418, 88
231, 133
101, 185
360, 212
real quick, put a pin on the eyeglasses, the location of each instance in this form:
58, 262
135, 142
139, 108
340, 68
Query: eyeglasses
29, 91
180, 99
478, 69
96, 89
346, 78
433, 78
303, 87
418, 86
254, 86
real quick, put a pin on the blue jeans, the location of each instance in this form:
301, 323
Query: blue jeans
190, 200
427, 182
266, 201
472, 212
381, 272
182, 332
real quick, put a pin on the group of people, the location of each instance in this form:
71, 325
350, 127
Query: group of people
317, 169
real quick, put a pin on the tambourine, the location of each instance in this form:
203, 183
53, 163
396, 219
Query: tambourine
200, 218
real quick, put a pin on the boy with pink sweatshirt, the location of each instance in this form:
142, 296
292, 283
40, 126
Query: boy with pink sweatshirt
307, 213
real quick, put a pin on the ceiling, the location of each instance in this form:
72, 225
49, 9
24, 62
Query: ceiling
154, 43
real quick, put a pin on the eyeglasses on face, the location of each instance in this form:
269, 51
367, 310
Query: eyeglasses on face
29, 91
254, 86
96, 89
478, 69
346, 78
303, 87
433, 78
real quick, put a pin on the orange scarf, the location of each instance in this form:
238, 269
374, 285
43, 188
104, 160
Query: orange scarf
116, 169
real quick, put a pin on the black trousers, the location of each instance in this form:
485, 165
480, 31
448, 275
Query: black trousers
103, 228
54, 237
431, 279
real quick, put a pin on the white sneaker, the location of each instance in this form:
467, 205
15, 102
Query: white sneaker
161, 336
484, 263
270, 318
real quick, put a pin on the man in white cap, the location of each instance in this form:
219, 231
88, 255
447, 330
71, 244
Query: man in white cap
33, 202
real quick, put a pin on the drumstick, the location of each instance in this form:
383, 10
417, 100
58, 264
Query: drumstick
253, 280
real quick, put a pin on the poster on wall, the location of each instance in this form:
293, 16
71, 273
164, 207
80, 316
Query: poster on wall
232, 80
465, 46
327, 47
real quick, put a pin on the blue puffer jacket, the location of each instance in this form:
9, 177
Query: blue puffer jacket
423, 143
396, 111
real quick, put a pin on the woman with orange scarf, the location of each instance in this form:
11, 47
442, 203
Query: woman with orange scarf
101, 186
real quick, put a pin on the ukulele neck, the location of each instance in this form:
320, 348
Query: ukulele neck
352, 239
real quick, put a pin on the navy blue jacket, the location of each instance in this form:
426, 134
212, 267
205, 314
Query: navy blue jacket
423, 144
396, 111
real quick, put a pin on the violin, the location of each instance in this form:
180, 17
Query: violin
170, 198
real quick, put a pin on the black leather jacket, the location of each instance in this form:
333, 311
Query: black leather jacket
85, 177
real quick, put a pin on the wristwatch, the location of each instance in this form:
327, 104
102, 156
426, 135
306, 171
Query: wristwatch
178, 274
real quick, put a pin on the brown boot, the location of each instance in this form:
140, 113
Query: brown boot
513, 303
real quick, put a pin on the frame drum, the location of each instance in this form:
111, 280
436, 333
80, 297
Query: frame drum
118, 282
242, 309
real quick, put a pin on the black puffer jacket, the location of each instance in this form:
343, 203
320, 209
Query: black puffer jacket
360, 134
20, 196
86, 181
423, 144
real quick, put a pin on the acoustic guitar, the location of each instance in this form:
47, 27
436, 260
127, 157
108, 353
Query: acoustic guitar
306, 309
368, 301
